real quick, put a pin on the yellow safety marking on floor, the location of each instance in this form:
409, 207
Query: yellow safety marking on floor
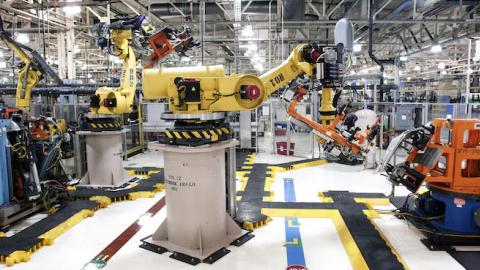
250, 226
93, 125
186, 135
267, 187
373, 201
276, 169
141, 194
51, 235
241, 173
371, 213
197, 134
244, 181
219, 131
169, 135
17, 257
2, 234
177, 135
205, 134
353, 252
159, 187
47, 238
103, 201
110, 125
324, 199
225, 130
247, 167
389, 244
71, 188
214, 137
308, 164
250, 160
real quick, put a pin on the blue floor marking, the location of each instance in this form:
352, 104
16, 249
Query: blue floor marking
295, 256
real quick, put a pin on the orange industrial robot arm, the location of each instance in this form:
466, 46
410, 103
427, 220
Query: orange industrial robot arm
327, 132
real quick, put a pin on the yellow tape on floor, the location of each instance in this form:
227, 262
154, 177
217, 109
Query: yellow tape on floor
351, 248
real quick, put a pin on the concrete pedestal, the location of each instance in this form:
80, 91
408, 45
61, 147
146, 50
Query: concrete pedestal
104, 159
197, 222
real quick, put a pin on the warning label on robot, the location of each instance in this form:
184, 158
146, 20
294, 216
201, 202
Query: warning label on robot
176, 182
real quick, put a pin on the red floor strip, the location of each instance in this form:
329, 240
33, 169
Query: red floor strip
108, 252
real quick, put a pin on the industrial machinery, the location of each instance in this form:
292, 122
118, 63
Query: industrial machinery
169, 40
102, 127
198, 227
445, 156
31, 149
340, 139
32, 69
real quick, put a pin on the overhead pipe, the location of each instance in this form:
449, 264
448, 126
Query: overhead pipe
379, 62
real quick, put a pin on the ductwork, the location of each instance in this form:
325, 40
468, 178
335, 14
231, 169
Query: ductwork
293, 9
210, 8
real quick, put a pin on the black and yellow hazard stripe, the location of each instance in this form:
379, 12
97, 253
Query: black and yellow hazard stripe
195, 137
104, 126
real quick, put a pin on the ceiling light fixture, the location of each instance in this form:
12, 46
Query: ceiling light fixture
71, 10
441, 65
403, 58
436, 48
417, 68
22, 38
247, 31
357, 47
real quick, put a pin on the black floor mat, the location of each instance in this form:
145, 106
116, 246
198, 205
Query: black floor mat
29, 237
148, 184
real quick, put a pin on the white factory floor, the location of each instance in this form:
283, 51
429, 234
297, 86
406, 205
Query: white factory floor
322, 244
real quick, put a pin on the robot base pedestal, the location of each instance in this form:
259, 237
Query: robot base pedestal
104, 159
197, 227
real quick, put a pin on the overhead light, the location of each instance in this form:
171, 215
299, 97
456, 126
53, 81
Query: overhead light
363, 79
3, 64
256, 58
417, 68
1, 54
469, 71
409, 78
184, 59
22, 38
385, 81
444, 72
259, 67
441, 65
403, 58
76, 50
400, 72
71, 10
364, 71
5, 79
357, 47
10, 74
199, 64
252, 46
247, 31
352, 72
83, 67
89, 75
436, 48
92, 81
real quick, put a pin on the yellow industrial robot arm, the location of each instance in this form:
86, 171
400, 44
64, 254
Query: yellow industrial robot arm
198, 90
118, 100
31, 72
300, 61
